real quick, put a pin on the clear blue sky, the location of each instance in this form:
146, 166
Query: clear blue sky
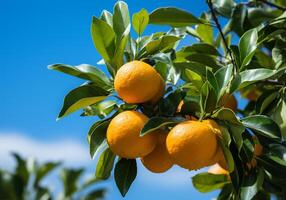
35, 34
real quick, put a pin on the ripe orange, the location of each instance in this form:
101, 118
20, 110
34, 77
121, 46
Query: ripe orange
158, 160
192, 145
217, 169
123, 135
160, 92
229, 101
137, 82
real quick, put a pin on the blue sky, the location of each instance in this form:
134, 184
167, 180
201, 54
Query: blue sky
35, 34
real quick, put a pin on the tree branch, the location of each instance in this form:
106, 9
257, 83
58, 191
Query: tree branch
210, 5
272, 5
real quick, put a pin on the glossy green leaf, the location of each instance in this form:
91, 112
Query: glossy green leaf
121, 19
103, 38
158, 122
105, 164
194, 78
107, 17
227, 114
85, 71
263, 125
224, 7
205, 32
173, 17
252, 185
81, 97
140, 20
164, 43
97, 137
247, 46
125, 173
205, 60
120, 47
253, 75
223, 77
100, 109
206, 182
279, 116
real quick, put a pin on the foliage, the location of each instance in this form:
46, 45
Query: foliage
26, 182
246, 56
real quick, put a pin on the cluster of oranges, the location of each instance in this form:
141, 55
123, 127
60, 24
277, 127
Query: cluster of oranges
191, 144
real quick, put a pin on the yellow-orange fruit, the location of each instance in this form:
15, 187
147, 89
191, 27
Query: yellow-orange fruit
136, 82
218, 170
192, 145
123, 135
229, 101
158, 160
160, 92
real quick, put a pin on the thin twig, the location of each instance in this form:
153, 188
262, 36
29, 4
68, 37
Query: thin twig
272, 5
210, 4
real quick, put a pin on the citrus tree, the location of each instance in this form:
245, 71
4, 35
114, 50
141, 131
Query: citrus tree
26, 182
169, 101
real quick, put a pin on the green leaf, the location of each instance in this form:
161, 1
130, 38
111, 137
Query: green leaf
105, 164
156, 123
204, 59
97, 137
44, 170
251, 185
279, 116
173, 17
213, 82
120, 47
70, 178
238, 18
263, 125
206, 182
140, 20
253, 75
125, 173
100, 109
205, 32
228, 115
164, 43
247, 46
81, 97
107, 17
103, 38
84, 71
224, 7
265, 100
223, 77
194, 78
121, 19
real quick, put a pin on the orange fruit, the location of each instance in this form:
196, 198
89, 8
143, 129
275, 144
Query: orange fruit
123, 135
160, 92
229, 101
158, 160
217, 169
137, 82
192, 145
252, 95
